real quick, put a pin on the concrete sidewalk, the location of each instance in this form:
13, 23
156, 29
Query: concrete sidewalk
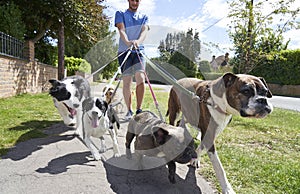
60, 163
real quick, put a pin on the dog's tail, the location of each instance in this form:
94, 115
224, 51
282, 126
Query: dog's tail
167, 114
173, 106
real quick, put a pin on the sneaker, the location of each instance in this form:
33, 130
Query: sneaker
128, 115
138, 111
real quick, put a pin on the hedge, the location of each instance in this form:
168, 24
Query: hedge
76, 64
280, 68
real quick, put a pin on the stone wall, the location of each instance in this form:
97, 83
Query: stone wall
21, 76
285, 90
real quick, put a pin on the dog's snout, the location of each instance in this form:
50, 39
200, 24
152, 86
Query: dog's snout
261, 100
76, 105
94, 113
268, 109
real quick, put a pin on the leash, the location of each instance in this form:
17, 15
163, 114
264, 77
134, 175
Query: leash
101, 68
162, 72
170, 78
150, 87
119, 68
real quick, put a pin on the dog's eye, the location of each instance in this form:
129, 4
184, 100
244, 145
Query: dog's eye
247, 91
262, 92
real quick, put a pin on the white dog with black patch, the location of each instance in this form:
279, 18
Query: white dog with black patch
97, 119
68, 95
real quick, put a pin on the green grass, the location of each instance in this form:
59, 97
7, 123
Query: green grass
258, 155
23, 117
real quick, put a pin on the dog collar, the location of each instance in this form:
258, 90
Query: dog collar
203, 99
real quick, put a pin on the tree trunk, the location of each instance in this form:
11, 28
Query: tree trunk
249, 38
61, 50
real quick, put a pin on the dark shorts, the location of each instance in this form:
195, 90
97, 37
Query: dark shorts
132, 64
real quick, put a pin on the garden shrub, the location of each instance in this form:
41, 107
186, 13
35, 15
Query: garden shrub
76, 64
280, 68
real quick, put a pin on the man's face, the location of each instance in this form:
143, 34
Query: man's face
134, 4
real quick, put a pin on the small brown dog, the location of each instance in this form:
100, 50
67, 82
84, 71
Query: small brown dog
111, 97
108, 90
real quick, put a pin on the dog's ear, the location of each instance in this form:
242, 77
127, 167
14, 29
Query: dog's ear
229, 79
104, 89
54, 82
87, 104
102, 105
269, 93
161, 136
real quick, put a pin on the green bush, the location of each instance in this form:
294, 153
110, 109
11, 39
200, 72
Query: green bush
11, 20
73, 64
280, 68
204, 66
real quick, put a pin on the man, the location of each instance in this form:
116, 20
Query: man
132, 27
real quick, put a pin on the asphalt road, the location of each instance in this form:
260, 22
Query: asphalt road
290, 103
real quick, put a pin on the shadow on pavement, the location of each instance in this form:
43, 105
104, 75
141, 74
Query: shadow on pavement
62, 164
24, 149
124, 181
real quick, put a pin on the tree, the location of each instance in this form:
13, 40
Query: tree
11, 20
78, 19
253, 32
101, 54
182, 50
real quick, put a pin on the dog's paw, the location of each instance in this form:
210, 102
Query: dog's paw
117, 155
195, 163
103, 149
128, 154
97, 157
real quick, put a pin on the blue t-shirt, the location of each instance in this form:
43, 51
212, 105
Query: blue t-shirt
133, 22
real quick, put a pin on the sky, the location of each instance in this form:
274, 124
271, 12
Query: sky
208, 17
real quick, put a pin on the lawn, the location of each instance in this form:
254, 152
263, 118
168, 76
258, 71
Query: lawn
259, 155
23, 117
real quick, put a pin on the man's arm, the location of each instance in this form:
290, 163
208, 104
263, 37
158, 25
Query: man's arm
123, 34
142, 37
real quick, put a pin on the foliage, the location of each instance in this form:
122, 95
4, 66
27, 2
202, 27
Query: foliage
76, 64
204, 66
254, 34
280, 68
101, 54
46, 52
83, 20
11, 20
182, 50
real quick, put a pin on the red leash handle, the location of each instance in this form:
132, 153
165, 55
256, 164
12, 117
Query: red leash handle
150, 87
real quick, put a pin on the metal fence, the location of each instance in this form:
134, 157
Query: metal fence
11, 46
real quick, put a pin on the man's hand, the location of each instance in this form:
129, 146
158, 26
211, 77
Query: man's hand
135, 44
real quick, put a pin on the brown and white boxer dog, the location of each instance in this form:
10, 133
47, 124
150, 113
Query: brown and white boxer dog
158, 139
215, 103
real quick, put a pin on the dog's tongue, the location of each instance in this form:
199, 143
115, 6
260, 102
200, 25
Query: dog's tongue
72, 111
95, 123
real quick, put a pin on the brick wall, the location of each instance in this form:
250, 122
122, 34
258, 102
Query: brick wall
19, 76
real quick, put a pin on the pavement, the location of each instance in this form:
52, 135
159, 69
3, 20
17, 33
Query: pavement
60, 163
